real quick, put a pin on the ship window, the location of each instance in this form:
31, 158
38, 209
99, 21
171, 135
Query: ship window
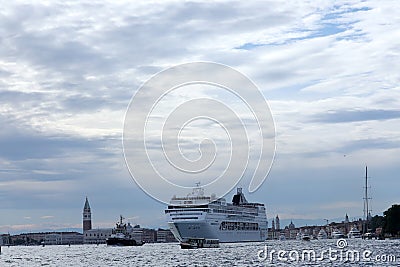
239, 226
183, 218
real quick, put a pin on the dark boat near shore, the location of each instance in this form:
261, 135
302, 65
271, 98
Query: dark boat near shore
122, 240
121, 236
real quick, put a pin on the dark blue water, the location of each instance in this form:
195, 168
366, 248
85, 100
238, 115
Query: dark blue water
380, 253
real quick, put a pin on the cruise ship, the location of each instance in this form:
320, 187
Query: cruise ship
200, 216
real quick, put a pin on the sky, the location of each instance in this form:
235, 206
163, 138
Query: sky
329, 71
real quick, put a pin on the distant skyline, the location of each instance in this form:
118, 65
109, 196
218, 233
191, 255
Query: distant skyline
68, 70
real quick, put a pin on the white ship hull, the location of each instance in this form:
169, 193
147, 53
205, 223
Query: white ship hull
245, 222
183, 231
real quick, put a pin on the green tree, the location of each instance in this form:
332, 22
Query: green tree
392, 220
377, 222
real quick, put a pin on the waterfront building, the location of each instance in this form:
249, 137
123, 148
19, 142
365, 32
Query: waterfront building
275, 232
27, 238
4, 239
52, 239
96, 236
315, 231
165, 236
49, 238
291, 231
144, 235
270, 234
63, 238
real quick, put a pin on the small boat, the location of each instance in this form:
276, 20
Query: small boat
121, 237
200, 243
299, 235
368, 235
305, 237
354, 233
322, 234
282, 237
336, 234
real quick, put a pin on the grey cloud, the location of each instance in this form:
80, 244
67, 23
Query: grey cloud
366, 144
349, 147
4, 73
20, 142
44, 51
79, 103
29, 145
20, 98
232, 16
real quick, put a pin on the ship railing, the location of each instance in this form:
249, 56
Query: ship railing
191, 198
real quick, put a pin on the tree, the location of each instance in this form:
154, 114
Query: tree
377, 222
392, 220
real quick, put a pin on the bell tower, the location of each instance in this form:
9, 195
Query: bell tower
87, 216
277, 224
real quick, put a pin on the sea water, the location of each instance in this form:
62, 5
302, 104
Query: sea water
270, 253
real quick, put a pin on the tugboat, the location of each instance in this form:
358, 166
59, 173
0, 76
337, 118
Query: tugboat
121, 236
200, 243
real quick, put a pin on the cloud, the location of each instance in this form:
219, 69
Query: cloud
25, 143
47, 217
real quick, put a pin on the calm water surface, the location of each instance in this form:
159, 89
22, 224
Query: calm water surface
245, 254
